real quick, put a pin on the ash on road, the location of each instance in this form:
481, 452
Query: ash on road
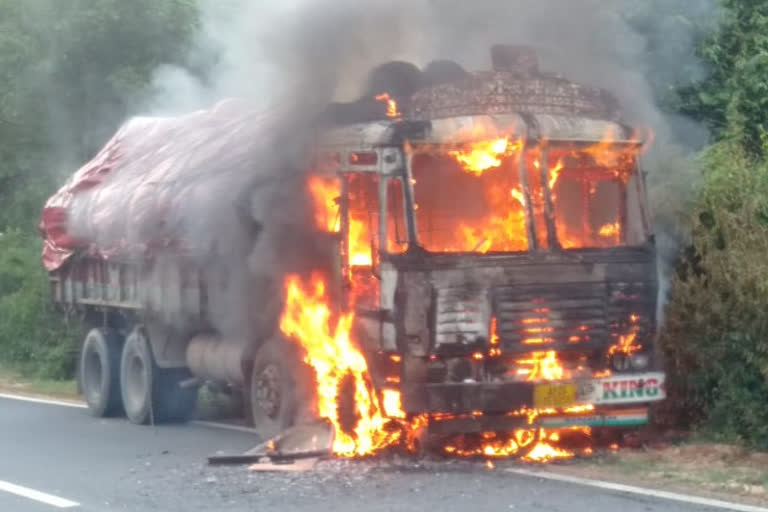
112, 465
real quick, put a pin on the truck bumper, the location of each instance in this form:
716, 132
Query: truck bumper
593, 402
598, 417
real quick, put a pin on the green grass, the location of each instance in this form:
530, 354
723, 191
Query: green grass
53, 387
15, 379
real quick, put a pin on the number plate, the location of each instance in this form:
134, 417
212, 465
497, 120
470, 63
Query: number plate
546, 396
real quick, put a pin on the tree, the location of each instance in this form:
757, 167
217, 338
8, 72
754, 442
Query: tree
715, 328
70, 72
733, 98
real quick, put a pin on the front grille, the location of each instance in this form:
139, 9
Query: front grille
461, 317
569, 317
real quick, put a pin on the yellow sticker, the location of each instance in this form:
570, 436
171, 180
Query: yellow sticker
554, 396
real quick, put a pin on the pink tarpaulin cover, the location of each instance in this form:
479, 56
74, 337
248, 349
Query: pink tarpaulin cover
132, 194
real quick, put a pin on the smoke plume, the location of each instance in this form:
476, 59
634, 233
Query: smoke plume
291, 59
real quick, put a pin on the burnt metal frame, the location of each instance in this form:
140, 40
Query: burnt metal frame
389, 166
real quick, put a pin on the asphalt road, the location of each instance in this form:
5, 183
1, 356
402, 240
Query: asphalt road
104, 465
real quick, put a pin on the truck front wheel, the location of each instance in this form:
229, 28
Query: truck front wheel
100, 372
277, 388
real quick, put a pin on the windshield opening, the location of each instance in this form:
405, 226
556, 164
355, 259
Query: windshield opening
475, 200
465, 203
589, 194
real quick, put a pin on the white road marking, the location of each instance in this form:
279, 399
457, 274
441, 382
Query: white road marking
46, 401
48, 499
610, 486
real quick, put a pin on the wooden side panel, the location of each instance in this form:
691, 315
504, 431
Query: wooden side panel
163, 288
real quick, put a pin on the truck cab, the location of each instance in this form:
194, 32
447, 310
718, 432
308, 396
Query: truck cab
498, 257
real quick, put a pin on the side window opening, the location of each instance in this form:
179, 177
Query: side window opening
397, 236
362, 243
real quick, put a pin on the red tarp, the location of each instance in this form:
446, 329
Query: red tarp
138, 189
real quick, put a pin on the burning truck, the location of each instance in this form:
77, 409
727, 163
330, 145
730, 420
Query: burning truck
484, 267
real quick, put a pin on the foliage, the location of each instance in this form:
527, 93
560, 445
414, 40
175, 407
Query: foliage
733, 98
70, 72
32, 336
716, 332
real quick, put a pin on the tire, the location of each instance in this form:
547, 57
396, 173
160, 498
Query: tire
137, 372
150, 394
277, 393
99, 372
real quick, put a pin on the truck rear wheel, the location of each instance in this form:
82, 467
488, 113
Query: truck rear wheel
277, 388
151, 394
136, 374
100, 372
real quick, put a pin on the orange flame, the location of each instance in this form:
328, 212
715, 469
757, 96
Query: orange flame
626, 343
494, 350
610, 230
334, 357
554, 175
497, 233
496, 444
541, 366
391, 105
545, 450
498, 222
606, 154
326, 193
485, 155
325, 197
359, 244
535, 444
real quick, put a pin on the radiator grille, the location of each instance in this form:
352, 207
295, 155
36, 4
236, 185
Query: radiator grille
461, 316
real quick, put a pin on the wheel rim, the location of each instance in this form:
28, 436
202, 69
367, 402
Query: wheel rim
136, 382
268, 391
93, 375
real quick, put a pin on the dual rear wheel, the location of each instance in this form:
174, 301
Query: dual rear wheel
118, 376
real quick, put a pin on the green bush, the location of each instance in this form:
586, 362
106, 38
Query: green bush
33, 337
716, 329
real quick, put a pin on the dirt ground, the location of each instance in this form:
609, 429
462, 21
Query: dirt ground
695, 467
